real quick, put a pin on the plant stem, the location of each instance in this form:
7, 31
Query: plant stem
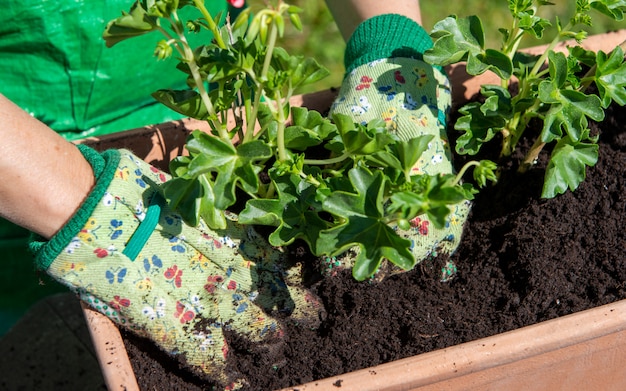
280, 131
260, 80
459, 176
544, 56
189, 58
532, 155
321, 162
280, 110
212, 26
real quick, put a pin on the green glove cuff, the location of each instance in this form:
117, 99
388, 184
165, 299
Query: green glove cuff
386, 36
104, 166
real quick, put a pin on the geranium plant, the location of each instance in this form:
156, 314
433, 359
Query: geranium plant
331, 182
552, 87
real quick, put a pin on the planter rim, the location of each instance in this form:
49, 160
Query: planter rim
116, 368
481, 354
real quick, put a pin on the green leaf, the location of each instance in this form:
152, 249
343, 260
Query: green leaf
463, 40
208, 152
130, 24
610, 77
567, 166
517, 6
362, 224
308, 129
362, 140
455, 39
557, 64
569, 111
186, 102
533, 24
294, 212
485, 171
492, 60
430, 195
194, 199
410, 151
240, 169
308, 71
611, 8
481, 122
230, 165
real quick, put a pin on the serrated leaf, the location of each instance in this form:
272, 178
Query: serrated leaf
569, 111
131, 24
242, 170
463, 40
362, 140
185, 102
292, 212
485, 171
455, 39
481, 122
611, 8
533, 24
362, 224
308, 129
194, 199
208, 152
231, 166
430, 195
610, 77
567, 166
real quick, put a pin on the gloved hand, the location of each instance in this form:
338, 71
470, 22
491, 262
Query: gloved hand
131, 258
386, 78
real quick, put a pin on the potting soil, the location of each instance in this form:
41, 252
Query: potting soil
522, 260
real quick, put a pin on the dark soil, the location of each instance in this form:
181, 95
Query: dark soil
522, 260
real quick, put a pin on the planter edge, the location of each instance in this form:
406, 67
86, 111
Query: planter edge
468, 366
116, 368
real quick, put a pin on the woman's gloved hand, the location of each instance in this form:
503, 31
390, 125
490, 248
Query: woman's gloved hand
387, 79
131, 258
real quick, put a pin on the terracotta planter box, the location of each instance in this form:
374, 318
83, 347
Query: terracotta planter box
583, 351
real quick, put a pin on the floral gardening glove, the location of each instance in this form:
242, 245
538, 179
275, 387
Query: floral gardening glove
386, 79
131, 258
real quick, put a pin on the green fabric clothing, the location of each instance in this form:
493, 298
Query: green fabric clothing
56, 67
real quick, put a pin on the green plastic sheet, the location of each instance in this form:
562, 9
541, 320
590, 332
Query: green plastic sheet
54, 64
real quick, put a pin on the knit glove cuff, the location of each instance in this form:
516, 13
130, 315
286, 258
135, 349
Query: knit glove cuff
104, 166
385, 36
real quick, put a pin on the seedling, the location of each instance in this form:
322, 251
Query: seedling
332, 183
552, 87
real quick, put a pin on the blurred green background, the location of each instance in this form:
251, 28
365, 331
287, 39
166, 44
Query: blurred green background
321, 40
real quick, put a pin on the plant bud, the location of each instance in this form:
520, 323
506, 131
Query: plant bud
163, 50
